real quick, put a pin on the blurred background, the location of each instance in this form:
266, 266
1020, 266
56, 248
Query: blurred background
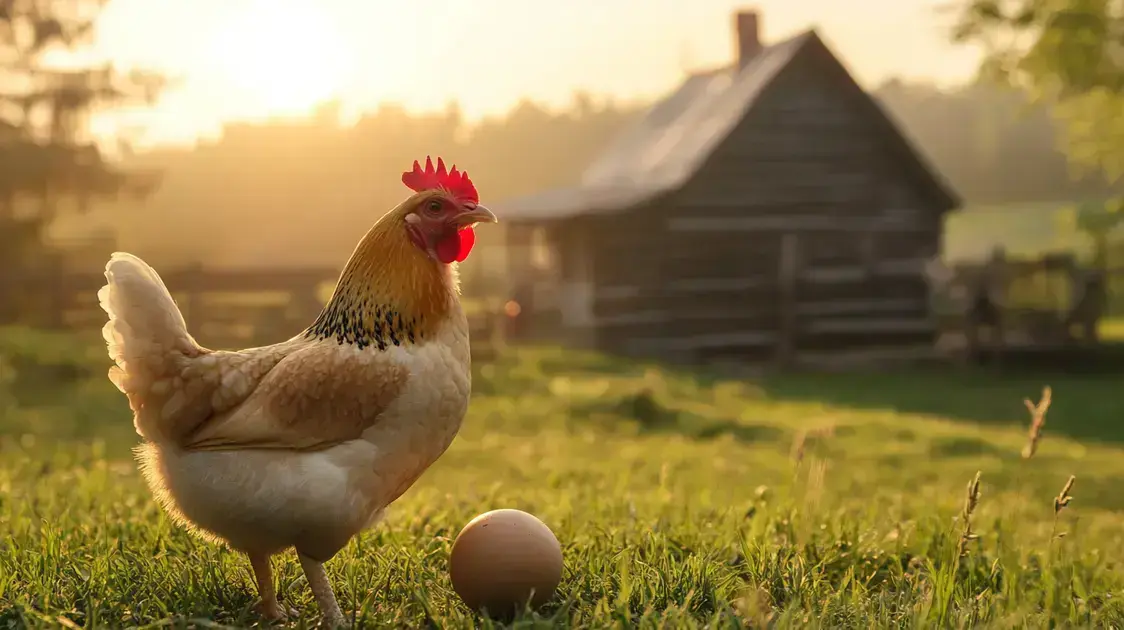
242, 147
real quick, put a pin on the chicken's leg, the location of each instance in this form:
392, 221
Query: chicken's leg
268, 607
322, 591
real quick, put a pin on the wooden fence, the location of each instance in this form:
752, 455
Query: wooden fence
1040, 303
224, 309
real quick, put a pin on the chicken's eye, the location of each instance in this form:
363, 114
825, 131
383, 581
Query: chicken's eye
434, 206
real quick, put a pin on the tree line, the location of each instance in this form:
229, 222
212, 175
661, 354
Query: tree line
283, 181
302, 192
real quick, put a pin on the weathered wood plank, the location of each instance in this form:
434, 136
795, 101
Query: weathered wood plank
699, 342
862, 307
860, 273
717, 285
747, 304
905, 287
871, 326
619, 292
791, 223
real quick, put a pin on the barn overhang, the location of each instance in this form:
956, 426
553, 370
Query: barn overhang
569, 203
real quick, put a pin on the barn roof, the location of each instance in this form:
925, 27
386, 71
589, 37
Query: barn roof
661, 152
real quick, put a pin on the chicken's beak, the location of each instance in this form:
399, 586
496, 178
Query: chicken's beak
478, 214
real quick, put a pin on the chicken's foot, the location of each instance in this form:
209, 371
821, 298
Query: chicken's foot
269, 608
322, 591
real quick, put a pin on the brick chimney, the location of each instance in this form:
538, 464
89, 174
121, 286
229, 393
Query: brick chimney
746, 36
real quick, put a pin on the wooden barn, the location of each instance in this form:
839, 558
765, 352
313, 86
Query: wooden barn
766, 210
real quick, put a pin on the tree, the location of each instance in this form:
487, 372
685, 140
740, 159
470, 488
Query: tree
1096, 221
46, 154
1067, 52
992, 142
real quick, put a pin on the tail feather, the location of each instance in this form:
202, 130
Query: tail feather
146, 335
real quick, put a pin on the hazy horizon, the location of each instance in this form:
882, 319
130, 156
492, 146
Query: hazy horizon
255, 59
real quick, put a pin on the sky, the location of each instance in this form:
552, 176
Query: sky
253, 59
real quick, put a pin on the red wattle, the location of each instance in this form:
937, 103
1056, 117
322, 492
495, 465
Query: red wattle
467, 240
456, 246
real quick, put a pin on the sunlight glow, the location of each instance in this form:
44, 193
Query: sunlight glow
241, 60
280, 58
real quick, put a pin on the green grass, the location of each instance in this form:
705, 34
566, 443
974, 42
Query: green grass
677, 499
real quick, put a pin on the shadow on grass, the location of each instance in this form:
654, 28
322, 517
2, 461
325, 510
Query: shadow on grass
1087, 407
963, 446
1087, 403
652, 416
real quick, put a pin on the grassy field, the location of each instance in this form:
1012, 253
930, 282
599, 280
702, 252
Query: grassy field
681, 501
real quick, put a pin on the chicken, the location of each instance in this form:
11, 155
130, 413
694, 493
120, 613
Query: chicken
303, 444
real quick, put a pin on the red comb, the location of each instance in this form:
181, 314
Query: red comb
454, 182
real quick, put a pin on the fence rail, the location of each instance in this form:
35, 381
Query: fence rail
224, 309
1047, 302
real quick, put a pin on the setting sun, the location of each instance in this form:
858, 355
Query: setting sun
281, 58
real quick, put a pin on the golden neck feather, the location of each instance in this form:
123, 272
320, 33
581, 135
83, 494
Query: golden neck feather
390, 292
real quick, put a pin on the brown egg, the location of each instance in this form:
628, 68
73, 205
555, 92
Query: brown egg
504, 559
